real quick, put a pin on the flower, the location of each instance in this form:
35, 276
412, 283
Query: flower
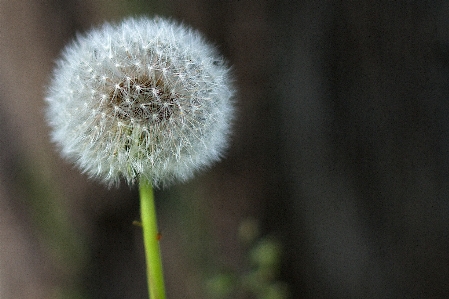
145, 98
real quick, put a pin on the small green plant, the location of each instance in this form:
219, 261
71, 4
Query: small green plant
147, 101
263, 258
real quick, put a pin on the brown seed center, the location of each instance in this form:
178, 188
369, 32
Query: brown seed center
143, 100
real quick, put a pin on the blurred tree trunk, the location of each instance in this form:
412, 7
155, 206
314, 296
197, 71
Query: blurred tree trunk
364, 88
27, 27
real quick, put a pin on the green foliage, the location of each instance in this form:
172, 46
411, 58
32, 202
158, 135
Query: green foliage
264, 257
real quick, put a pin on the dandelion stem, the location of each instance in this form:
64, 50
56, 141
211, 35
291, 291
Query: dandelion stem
155, 276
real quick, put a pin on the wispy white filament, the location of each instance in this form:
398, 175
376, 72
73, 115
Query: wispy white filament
145, 98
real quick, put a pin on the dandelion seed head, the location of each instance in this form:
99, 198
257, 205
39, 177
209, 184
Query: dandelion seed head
144, 98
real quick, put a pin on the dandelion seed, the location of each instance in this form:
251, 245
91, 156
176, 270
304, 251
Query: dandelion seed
146, 98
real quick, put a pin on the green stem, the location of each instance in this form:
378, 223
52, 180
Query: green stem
155, 276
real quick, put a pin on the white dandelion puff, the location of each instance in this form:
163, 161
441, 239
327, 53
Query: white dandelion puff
146, 98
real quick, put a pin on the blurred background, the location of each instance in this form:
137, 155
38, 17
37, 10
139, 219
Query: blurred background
336, 184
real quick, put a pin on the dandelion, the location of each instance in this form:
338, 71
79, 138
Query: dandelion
146, 100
